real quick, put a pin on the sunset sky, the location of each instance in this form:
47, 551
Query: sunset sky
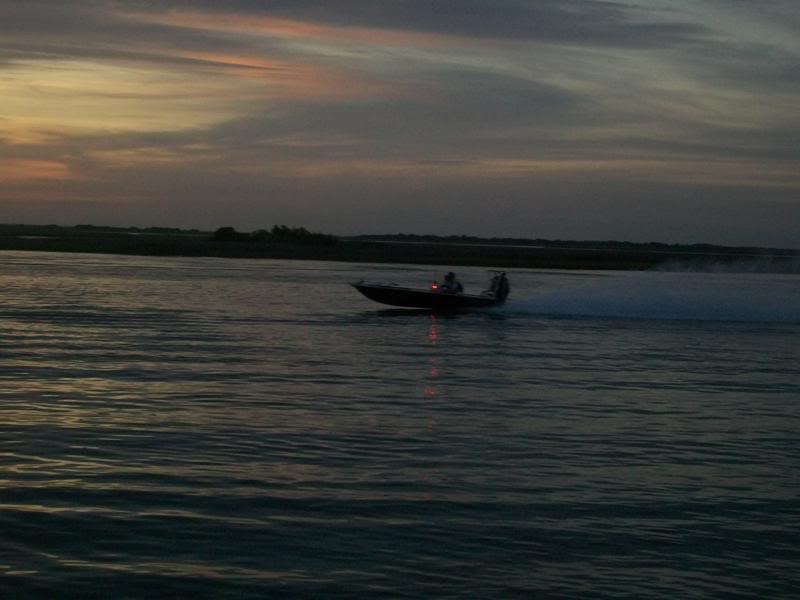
639, 120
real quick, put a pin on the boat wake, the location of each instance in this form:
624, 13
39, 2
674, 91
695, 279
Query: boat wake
760, 298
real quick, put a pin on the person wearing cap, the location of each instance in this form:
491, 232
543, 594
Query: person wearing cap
451, 285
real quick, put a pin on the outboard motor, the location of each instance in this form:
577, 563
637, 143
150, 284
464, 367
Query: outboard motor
500, 287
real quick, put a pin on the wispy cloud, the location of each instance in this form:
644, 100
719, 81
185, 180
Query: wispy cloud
584, 22
305, 109
28, 169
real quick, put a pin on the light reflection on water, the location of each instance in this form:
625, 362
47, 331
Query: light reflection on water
242, 428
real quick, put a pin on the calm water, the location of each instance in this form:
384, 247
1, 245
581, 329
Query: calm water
225, 428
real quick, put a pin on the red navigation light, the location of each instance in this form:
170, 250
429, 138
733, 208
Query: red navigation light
434, 286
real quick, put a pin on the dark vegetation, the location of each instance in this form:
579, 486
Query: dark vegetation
282, 242
278, 234
571, 244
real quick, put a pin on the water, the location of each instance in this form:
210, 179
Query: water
182, 427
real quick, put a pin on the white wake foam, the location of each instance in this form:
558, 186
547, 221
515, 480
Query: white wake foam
748, 298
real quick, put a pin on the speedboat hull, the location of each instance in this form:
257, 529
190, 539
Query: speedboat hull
394, 295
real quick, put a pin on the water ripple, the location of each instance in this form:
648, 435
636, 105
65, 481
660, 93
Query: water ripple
201, 427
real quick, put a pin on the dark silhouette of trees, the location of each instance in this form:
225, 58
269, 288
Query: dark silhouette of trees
229, 234
300, 235
278, 234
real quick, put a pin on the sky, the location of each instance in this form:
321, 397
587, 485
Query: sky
674, 121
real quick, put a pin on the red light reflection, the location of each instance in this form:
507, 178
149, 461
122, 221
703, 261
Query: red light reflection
433, 361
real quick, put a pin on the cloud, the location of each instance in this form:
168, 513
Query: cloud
558, 114
28, 169
583, 22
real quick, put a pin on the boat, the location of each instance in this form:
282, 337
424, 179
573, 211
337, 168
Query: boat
434, 297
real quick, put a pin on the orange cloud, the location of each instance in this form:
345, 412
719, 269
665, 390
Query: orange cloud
293, 80
18, 134
22, 169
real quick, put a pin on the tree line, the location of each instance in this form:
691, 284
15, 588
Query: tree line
278, 234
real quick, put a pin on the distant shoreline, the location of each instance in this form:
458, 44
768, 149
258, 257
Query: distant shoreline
455, 251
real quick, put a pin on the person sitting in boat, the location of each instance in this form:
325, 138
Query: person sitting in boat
451, 285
